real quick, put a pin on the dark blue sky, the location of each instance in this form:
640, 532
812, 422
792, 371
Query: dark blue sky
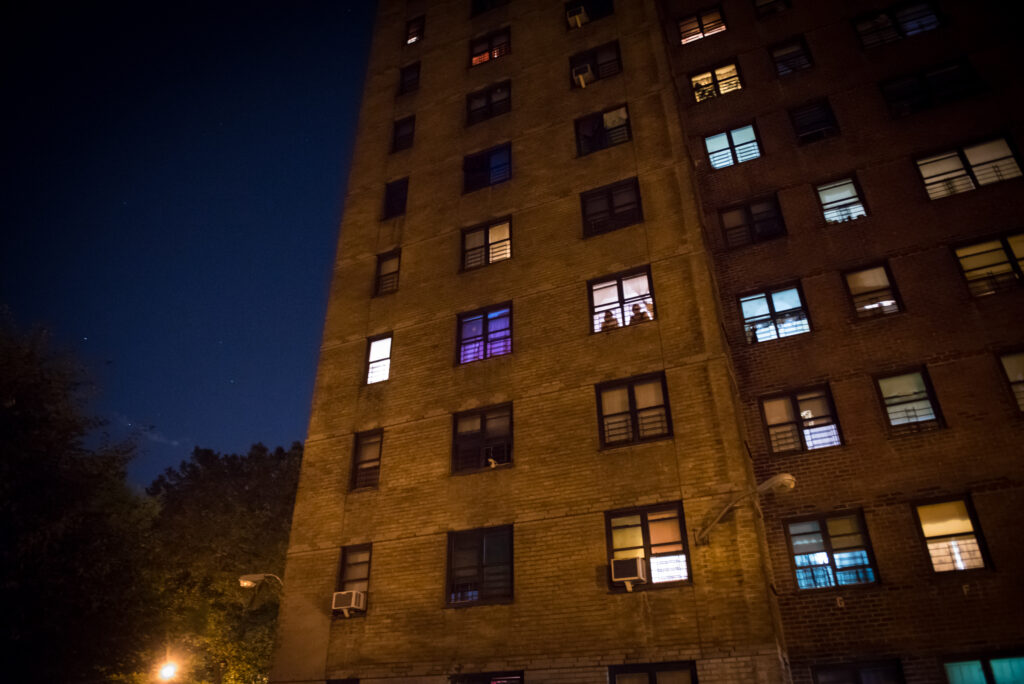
174, 174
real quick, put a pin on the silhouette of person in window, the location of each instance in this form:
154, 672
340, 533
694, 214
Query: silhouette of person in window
609, 322
639, 315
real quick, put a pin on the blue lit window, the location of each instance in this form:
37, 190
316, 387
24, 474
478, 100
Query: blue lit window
986, 671
830, 552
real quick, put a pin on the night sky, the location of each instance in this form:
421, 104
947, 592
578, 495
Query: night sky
173, 180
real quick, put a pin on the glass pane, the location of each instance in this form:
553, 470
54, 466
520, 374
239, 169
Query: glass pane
669, 568
716, 143
627, 537
498, 423
902, 387
867, 280
778, 411
380, 349
472, 327
499, 231
846, 525
948, 517
784, 300
1013, 364
988, 151
754, 306
470, 423
836, 677
837, 191
743, 135
664, 531
674, 677
968, 672
636, 286
648, 394
812, 405
634, 678
605, 293
389, 265
1008, 670
474, 239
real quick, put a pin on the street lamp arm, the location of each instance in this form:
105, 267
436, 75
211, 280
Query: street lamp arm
783, 482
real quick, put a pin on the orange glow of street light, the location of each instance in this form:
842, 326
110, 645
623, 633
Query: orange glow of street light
168, 671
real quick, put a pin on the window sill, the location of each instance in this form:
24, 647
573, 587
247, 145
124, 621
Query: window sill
801, 452
338, 616
360, 490
621, 327
473, 604
485, 469
659, 438
913, 429
825, 591
614, 590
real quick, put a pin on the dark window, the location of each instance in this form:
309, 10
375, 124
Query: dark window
701, 25
910, 405
1013, 366
480, 6
938, 85
773, 314
395, 195
767, 7
592, 65
485, 333
791, 57
487, 243
756, 221
623, 299
491, 101
366, 459
964, 169
951, 534
813, 121
994, 265
482, 438
487, 168
841, 201
1006, 670
715, 82
490, 47
387, 272
414, 30
732, 147
355, 568
611, 207
479, 566
655, 673
879, 673
801, 421
633, 410
409, 78
603, 129
402, 134
831, 551
580, 12
872, 291
488, 678
656, 534
378, 359
895, 23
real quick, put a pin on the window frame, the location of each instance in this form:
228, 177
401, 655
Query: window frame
857, 669
495, 50
367, 363
799, 422
992, 283
484, 335
493, 177
484, 442
357, 452
733, 148
1015, 387
826, 125
984, 659
898, 28
767, 292
913, 427
714, 89
481, 565
858, 193
391, 210
822, 520
650, 311
643, 512
605, 137
967, 169
340, 581
475, 116
700, 17
616, 220
415, 29
485, 227
972, 516
893, 292
790, 62
407, 83
751, 234
635, 437
589, 58
382, 283
403, 141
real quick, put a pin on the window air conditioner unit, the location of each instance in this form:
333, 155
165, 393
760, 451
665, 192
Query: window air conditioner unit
344, 601
629, 570
583, 75
577, 16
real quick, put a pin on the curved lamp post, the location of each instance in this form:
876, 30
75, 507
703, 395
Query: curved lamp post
777, 484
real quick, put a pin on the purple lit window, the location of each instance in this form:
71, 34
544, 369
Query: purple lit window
484, 334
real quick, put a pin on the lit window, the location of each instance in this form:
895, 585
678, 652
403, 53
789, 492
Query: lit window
841, 201
621, 300
355, 568
716, 82
594, 65
994, 265
366, 459
701, 25
602, 130
489, 102
774, 314
634, 410
395, 195
831, 551
986, 671
485, 333
951, 535
964, 169
791, 57
896, 23
872, 292
487, 168
403, 133
802, 421
732, 147
909, 404
387, 272
378, 354
409, 78
414, 30
611, 207
656, 534
480, 566
487, 243
813, 121
490, 47
1013, 366
886, 673
767, 7
482, 439
654, 673
938, 85
580, 12
756, 221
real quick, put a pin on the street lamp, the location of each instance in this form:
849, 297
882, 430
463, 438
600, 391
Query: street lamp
168, 671
252, 581
777, 484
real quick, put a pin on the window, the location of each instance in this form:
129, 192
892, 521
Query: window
701, 25
482, 439
485, 333
732, 147
487, 243
658, 673
994, 265
756, 221
802, 421
580, 12
414, 30
611, 207
480, 566
950, 533
895, 23
773, 314
409, 78
830, 551
403, 133
603, 129
395, 195
813, 121
964, 169
593, 65
619, 300
909, 403
487, 168
938, 85
1013, 366
387, 272
872, 292
481, 6
841, 201
366, 459
791, 57
378, 359
656, 534
633, 410
767, 7
491, 101
488, 678
887, 673
986, 671
490, 47
718, 81
355, 568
